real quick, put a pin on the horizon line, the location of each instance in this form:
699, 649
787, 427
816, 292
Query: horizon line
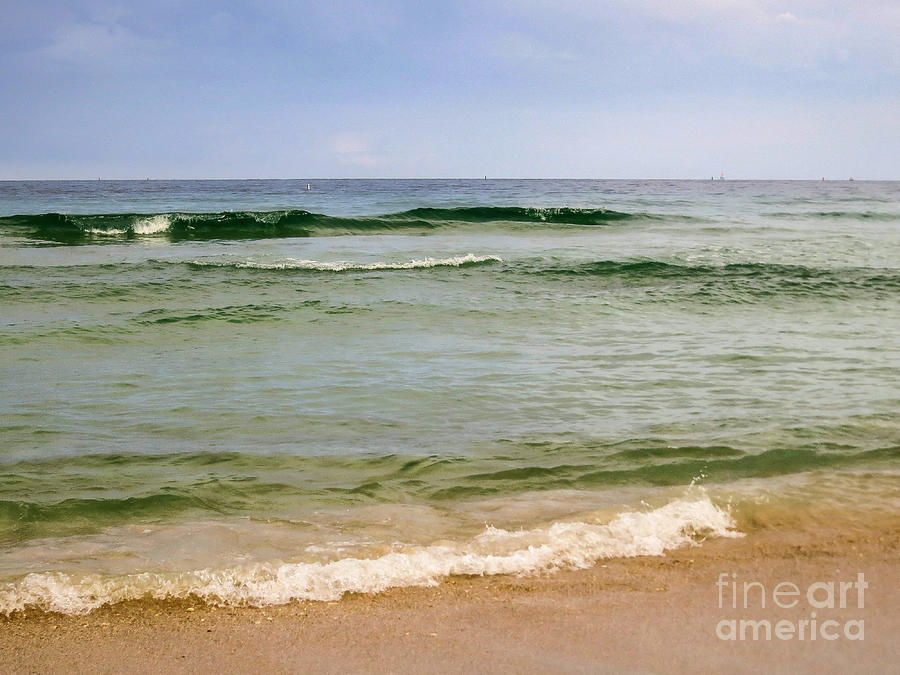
100, 179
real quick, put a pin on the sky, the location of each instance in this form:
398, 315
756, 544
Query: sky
457, 88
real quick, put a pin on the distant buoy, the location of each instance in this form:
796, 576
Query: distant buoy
308, 187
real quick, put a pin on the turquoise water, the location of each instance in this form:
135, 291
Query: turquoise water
282, 387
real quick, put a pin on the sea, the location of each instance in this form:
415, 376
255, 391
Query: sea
256, 392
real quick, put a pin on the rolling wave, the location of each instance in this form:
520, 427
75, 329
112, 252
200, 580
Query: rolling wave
240, 483
835, 215
72, 228
488, 214
657, 280
658, 268
730, 282
344, 266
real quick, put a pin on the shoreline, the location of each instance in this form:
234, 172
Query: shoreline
645, 614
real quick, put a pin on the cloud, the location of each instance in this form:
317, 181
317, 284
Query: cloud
353, 149
768, 34
107, 45
521, 47
338, 20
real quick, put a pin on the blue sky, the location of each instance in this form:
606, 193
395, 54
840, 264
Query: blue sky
504, 88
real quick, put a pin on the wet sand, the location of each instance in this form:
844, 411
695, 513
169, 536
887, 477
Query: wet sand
656, 614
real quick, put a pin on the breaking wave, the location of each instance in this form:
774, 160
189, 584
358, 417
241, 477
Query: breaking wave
561, 545
72, 228
344, 266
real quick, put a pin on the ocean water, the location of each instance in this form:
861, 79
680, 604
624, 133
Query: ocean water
253, 392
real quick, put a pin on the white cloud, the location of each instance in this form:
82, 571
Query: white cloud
521, 47
349, 143
110, 45
777, 34
786, 17
340, 20
353, 149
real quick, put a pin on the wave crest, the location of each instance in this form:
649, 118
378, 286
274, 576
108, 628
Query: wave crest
344, 266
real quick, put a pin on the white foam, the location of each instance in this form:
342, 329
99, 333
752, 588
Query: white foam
152, 225
341, 266
106, 233
570, 545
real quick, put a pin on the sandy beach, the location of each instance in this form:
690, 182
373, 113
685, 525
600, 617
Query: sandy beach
651, 614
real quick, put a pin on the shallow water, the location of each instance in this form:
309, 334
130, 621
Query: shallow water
244, 377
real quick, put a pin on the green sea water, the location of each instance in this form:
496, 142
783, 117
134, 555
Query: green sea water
254, 393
